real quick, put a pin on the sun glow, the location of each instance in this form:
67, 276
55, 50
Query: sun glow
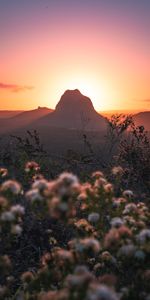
88, 87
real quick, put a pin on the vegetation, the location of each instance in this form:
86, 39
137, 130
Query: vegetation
65, 238
124, 144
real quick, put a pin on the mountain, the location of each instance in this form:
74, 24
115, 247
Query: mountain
74, 111
9, 113
31, 115
22, 119
142, 118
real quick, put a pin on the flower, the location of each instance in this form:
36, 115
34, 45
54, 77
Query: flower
16, 229
111, 238
32, 166
7, 216
83, 225
67, 184
91, 244
108, 188
40, 184
127, 250
106, 256
11, 186
100, 292
97, 175
116, 222
68, 179
117, 171
143, 236
93, 217
128, 193
100, 182
34, 195
18, 209
3, 172
130, 208
64, 256
79, 279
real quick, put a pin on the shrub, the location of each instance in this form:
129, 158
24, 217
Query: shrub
67, 240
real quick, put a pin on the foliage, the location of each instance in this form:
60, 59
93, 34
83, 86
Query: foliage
64, 239
134, 155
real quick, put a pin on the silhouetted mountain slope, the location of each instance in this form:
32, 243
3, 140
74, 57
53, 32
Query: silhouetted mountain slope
143, 118
9, 113
74, 111
31, 115
22, 119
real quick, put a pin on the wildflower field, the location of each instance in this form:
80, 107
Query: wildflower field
64, 239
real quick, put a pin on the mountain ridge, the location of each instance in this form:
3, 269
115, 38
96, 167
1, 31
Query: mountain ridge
74, 111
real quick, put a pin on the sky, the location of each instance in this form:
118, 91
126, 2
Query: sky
101, 47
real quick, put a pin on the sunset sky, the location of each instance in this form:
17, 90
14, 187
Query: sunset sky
101, 47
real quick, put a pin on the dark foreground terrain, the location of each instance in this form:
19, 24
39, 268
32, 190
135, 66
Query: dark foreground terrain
68, 239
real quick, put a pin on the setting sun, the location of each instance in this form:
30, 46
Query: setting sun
89, 87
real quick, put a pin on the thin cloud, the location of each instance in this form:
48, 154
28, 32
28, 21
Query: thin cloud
146, 100
15, 88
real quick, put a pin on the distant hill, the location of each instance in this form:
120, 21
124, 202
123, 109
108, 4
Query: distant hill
31, 115
22, 119
140, 118
143, 118
74, 111
9, 113
109, 113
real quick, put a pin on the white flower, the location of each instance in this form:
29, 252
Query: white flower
116, 222
128, 193
40, 184
143, 236
129, 220
18, 209
101, 292
34, 195
7, 216
100, 182
68, 179
16, 229
67, 184
130, 208
93, 217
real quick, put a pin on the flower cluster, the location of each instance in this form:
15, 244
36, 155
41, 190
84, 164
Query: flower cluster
68, 240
